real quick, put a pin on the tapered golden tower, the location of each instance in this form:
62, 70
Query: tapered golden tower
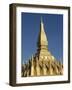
42, 43
42, 62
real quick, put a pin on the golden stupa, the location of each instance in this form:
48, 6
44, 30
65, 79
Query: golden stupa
43, 62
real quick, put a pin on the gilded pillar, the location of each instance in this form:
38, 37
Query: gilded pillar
44, 69
37, 67
32, 67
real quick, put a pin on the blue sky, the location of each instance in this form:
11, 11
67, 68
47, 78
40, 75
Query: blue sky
53, 24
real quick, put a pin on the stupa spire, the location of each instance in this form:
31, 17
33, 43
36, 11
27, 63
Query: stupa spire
42, 39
